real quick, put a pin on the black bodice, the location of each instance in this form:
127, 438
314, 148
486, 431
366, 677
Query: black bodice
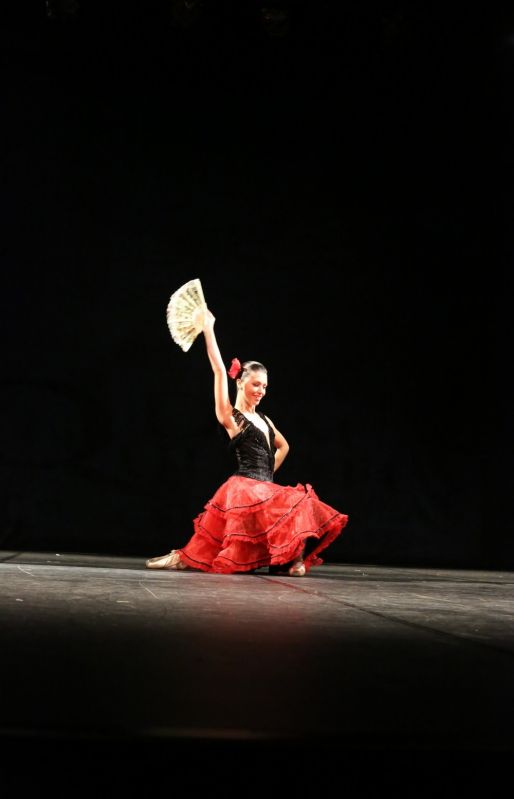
254, 457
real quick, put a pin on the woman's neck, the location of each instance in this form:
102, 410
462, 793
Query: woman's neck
245, 407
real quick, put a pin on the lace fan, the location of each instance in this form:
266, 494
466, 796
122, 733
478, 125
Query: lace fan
184, 313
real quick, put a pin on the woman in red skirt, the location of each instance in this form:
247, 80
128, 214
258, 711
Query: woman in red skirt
251, 521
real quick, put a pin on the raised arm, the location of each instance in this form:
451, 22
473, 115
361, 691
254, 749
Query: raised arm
221, 397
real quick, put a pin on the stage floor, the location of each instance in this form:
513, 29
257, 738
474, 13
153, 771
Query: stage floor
351, 658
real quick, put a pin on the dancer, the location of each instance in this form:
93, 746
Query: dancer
252, 522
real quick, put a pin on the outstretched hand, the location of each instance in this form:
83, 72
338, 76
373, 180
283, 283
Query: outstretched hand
208, 320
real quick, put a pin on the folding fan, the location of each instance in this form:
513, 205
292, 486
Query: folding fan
185, 313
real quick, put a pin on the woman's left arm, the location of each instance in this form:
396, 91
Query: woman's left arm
281, 445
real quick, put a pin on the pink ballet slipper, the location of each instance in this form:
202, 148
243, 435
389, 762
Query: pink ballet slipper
170, 561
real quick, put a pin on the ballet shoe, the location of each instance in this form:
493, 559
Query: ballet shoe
297, 569
169, 561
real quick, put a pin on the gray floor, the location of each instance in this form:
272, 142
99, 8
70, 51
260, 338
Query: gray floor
351, 659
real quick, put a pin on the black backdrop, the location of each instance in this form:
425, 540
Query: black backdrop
325, 172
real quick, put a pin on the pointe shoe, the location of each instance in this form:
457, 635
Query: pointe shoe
170, 561
298, 568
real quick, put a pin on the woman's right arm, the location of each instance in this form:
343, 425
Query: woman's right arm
221, 397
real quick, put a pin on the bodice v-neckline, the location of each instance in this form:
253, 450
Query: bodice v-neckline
266, 436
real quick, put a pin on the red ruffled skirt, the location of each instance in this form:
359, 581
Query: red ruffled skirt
249, 524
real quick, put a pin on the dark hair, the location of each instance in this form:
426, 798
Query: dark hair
250, 366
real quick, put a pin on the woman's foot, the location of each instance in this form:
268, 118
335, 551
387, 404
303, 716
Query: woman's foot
170, 561
294, 568
298, 568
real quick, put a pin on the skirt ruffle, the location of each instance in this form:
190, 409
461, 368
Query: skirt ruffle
249, 524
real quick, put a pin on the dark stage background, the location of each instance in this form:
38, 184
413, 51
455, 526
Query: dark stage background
324, 169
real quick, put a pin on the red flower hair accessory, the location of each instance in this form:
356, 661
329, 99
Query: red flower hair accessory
235, 368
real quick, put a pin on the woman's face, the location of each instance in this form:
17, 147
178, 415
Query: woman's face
254, 386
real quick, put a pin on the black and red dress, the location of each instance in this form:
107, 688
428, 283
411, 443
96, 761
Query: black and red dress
252, 522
